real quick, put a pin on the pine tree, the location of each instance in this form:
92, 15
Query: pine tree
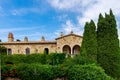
108, 45
89, 44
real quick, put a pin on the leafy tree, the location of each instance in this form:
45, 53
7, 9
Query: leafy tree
108, 45
89, 44
3, 50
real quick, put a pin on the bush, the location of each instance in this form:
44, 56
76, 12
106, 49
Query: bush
55, 58
3, 50
34, 72
15, 59
57, 71
78, 59
34, 58
87, 72
22, 71
38, 72
8, 70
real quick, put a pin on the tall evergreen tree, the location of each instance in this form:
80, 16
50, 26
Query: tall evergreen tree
89, 44
108, 45
83, 46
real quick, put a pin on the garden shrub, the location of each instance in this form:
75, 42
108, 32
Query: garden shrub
87, 72
3, 50
22, 71
57, 71
78, 59
34, 72
15, 59
43, 58
55, 58
33, 58
40, 72
8, 70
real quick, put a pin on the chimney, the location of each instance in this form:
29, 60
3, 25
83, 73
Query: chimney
25, 39
10, 37
42, 38
61, 34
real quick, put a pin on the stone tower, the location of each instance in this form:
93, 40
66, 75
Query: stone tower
26, 39
10, 37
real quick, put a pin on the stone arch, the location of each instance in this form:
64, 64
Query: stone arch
9, 51
66, 49
76, 49
46, 50
27, 51
35, 50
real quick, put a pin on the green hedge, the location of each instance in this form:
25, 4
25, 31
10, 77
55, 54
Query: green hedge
53, 59
87, 72
3, 50
49, 67
36, 71
8, 70
56, 58
35, 58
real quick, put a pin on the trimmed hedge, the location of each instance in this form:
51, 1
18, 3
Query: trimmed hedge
56, 58
52, 59
15, 59
50, 67
38, 71
8, 70
87, 72
34, 72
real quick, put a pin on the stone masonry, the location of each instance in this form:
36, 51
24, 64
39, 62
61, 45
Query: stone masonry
69, 44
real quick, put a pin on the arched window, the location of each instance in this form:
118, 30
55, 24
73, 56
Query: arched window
46, 50
67, 49
9, 51
76, 49
27, 50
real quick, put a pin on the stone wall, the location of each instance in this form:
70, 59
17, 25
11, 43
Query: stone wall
65, 43
70, 40
34, 48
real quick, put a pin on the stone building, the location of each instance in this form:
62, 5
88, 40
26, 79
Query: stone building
69, 44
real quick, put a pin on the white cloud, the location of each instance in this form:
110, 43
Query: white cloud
2, 12
101, 6
23, 11
68, 26
88, 9
64, 4
71, 5
16, 29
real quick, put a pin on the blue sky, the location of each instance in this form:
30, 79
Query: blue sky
36, 18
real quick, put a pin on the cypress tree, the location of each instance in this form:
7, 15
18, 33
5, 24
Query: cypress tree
89, 44
108, 45
83, 46
101, 43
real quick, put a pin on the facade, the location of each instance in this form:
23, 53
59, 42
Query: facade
69, 44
